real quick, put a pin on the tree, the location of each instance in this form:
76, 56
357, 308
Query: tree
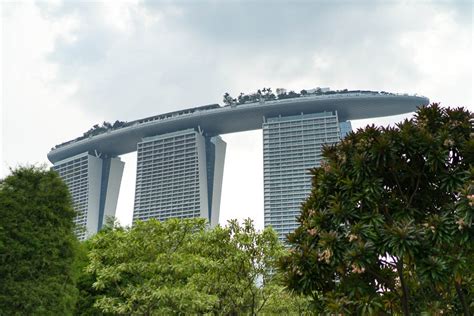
87, 294
268, 94
150, 268
182, 267
293, 94
284, 302
228, 100
243, 275
255, 97
37, 244
240, 98
282, 96
388, 223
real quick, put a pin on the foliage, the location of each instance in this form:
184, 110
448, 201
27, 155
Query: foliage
181, 267
388, 226
37, 244
96, 130
283, 302
266, 94
244, 262
150, 268
87, 294
106, 126
228, 100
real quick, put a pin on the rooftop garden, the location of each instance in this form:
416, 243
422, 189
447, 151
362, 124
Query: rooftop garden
266, 94
261, 95
106, 126
95, 130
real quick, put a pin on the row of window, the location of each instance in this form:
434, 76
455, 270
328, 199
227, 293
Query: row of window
168, 195
166, 207
299, 142
73, 163
166, 151
161, 218
171, 176
300, 122
313, 130
173, 159
168, 139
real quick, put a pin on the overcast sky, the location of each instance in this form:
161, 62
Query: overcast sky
66, 66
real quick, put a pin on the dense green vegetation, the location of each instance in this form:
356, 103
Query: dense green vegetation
153, 268
37, 244
388, 227
387, 230
183, 267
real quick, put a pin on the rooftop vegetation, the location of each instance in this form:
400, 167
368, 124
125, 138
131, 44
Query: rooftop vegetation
261, 95
266, 94
106, 126
96, 130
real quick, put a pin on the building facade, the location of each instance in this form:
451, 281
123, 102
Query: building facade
180, 158
94, 184
291, 146
179, 175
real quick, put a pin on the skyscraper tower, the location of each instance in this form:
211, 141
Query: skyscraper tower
179, 175
180, 155
291, 146
94, 184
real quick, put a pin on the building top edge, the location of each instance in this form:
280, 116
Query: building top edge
246, 115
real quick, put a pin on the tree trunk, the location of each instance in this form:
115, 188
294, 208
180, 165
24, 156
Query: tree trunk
405, 308
461, 298
253, 305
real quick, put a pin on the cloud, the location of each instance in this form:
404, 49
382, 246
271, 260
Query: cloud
140, 59
33, 108
69, 65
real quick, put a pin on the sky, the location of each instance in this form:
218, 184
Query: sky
66, 66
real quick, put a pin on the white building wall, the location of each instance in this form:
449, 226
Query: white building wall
220, 148
82, 175
291, 146
113, 188
172, 176
201, 154
75, 173
169, 177
95, 177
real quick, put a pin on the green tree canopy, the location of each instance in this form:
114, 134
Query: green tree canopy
37, 244
150, 268
244, 264
184, 267
388, 224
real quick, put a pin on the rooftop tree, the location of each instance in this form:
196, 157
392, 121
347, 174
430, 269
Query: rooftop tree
228, 100
388, 226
